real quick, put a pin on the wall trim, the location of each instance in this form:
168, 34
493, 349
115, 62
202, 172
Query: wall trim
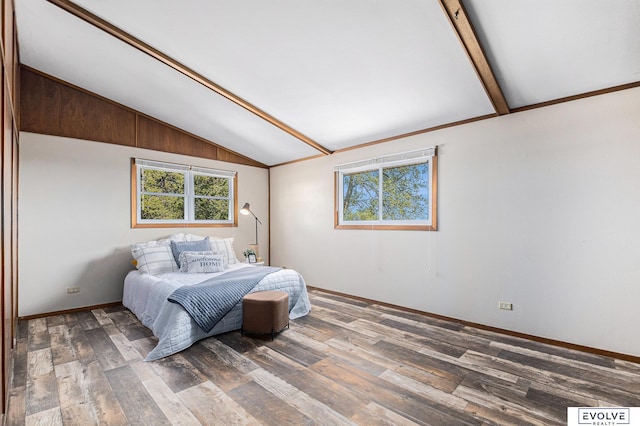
474, 119
552, 342
69, 311
141, 46
105, 120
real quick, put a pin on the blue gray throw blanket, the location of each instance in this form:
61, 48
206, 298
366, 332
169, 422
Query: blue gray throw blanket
210, 300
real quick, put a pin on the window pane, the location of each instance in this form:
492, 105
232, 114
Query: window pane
360, 196
211, 186
405, 192
211, 209
162, 207
161, 181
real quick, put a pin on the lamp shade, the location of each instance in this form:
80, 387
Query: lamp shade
245, 210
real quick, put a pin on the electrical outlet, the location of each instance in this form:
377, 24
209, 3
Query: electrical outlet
71, 290
506, 306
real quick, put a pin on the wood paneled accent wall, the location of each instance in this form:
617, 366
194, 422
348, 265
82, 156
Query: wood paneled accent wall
9, 185
54, 107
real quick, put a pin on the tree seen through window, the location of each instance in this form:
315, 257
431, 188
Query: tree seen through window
403, 196
163, 194
168, 193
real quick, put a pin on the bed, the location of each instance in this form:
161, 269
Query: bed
147, 289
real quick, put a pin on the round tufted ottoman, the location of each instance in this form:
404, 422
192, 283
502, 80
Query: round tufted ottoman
265, 312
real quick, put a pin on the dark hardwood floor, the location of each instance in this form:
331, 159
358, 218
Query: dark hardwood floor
347, 362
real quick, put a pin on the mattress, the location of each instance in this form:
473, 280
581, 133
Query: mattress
146, 296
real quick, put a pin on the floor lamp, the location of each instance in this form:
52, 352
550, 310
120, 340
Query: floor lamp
246, 210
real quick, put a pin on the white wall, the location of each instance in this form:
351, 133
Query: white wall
75, 221
538, 208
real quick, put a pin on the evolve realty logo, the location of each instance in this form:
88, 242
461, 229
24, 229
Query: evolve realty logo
602, 416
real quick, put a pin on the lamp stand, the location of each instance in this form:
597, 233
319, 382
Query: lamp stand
256, 249
246, 210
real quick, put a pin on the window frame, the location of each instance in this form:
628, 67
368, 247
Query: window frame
189, 172
391, 161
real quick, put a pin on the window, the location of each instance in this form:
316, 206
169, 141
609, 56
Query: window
171, 194
392, 192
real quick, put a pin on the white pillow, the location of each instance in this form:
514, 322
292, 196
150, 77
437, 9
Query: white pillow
150, 258
218, 244
193, 237
201, 261
224, 245
161, 242
155, 259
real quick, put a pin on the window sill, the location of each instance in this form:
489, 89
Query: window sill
389, 227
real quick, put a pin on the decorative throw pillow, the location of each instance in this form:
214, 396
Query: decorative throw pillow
201, 261
178, 247
207, 252
155, 259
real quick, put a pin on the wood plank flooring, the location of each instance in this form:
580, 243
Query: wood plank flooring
348, 362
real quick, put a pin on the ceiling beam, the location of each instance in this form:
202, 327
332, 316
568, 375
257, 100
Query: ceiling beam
467, 36
132, 41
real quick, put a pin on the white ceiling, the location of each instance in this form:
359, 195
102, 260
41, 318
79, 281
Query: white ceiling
339, 72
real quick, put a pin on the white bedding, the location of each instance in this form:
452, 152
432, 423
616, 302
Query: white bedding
146, 296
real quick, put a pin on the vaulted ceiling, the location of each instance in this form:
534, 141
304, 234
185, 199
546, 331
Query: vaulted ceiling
282, 80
